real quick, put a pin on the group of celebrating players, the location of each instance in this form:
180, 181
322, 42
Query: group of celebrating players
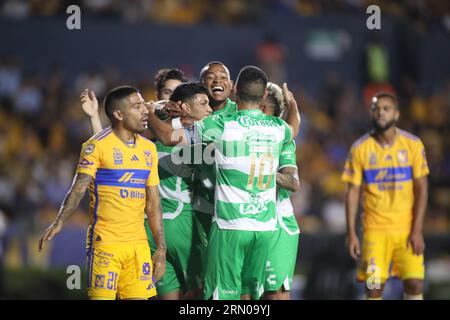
204, 211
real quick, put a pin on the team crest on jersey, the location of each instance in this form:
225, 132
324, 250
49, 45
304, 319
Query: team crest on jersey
402, 156
148, 158
89, 149
373, 159
99, 281
118, 156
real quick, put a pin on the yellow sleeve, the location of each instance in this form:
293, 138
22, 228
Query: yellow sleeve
353, 168
89, 158
153, 178
420, 164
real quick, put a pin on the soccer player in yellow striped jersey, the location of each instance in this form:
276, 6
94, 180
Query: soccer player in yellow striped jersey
390, 167
120, 168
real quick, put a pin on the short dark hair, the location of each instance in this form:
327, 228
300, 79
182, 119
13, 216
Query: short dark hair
187, 91
114, 96
384, 94
209, 64
251, 84
168, 74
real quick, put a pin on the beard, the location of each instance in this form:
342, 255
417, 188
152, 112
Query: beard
384, 128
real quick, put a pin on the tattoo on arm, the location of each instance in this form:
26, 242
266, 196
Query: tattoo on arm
74, 196
154, 216
287, 178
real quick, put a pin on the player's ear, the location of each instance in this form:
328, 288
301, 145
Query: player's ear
118, 114
186, 107
397, 114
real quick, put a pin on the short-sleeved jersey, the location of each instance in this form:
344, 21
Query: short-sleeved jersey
387, 173
175, 188
247, 148
285, 211
205, 175
120, 175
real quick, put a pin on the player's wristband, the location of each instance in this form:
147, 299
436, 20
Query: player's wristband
176, 123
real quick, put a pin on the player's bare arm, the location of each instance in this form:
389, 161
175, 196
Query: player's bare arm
89, 104
293, 115
351, 209
154, 216
415, 239
287, 178
70, 203
164, 131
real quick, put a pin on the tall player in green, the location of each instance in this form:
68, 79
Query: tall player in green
283, 255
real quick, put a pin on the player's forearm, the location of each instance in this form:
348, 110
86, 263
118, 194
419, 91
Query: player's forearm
96, 125
288, 179
154, 217
73, 197
420, 204
161, 130
293, 118
351, 208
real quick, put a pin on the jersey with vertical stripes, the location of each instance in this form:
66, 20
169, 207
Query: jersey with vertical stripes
205, 175
120, 175
247, 148
387, 173
175, 188
285, 211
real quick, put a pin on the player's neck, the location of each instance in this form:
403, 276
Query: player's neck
386, 137
123, 134
248, 106
218, 105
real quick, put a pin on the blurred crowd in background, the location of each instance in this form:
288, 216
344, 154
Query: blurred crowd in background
42, 124
426, 14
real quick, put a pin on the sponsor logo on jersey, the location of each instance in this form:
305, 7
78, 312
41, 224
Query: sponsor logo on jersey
246, 122
99, 281
128, 178
103, 262
118, 156
256, 205
85, 163
146, 269
125, 194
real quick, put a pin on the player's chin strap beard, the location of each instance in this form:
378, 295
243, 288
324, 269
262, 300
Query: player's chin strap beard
379, 129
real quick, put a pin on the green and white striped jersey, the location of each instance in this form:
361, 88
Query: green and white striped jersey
175, 188
285, 211
205, 174
247, 147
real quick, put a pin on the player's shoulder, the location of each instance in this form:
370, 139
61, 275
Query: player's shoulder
409, 137
146, 143
101, 136
361, 141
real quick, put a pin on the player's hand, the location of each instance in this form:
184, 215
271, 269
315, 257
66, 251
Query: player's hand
353, 246
89, 103
187, 121
174, 109
415, 240
159, 263
150, 106
48, 235
289, 97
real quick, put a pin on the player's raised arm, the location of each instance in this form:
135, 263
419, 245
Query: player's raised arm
89, 104
154, 216
80, 184
293, 115
165, 133
287, 178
